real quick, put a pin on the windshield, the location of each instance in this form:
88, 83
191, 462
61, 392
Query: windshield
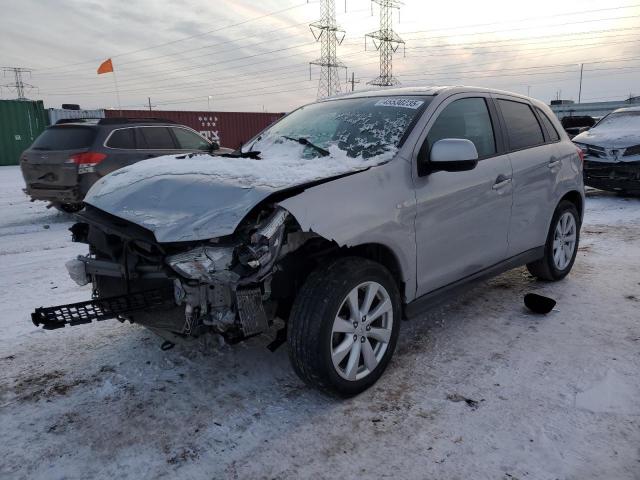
357, 128
626, 120
65, 138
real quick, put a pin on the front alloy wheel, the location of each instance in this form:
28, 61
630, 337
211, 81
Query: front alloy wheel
344, 325
361, 331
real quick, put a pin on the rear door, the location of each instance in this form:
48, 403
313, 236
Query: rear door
536, 163
49, 164
462, 218
123, 147
158, 141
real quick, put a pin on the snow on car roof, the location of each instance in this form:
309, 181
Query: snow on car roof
627, 109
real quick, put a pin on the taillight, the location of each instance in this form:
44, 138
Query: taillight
581, 154
88, 158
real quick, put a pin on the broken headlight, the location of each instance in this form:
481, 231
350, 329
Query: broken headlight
201, 263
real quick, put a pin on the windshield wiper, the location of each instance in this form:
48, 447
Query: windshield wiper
306, 142
252, 154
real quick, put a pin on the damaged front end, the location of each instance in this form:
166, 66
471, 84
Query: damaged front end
182, 290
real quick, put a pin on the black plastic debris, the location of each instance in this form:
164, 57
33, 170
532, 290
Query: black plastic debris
456, 397
539, 303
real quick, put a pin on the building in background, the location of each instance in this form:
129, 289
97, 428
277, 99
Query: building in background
21, 121
567, 108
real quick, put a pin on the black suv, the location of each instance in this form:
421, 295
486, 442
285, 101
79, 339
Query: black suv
70, 156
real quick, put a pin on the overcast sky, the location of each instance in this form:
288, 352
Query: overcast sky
254, 55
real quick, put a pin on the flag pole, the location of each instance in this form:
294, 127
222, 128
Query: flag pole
115, 81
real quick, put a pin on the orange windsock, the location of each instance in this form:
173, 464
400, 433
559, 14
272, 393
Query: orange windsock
105, 67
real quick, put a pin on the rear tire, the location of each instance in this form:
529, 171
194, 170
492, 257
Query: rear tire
69, 207
344, 326
561, 246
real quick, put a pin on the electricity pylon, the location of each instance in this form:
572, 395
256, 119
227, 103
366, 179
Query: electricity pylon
386, 42
19, 86
328, 33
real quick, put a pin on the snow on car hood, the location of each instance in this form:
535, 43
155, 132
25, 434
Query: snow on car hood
615, 135
181, 198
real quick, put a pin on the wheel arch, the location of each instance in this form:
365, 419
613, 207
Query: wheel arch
576, 198
386, 257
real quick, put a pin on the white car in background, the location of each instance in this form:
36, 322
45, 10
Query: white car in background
612, 152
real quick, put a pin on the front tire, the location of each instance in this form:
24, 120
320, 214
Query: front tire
561, 246
344, 326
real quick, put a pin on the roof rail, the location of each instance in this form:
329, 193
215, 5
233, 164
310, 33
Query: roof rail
120, 120
62, 121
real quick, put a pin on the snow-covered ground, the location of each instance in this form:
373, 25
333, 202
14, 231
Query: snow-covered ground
549, 397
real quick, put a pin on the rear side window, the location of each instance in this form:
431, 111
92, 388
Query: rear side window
65, 138
123, 138
551, 130
465, 118
189, 140
158, 138
523, 129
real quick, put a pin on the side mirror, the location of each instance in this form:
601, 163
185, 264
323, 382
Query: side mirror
214, 146
450, 155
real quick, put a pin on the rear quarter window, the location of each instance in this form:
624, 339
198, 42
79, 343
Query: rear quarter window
548, 125
65, 138
523, 129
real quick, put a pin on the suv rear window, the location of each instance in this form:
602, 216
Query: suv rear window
158, 138
523, 129
65, 138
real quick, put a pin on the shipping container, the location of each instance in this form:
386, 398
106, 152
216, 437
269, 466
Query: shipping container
56, 114
229, 129
21, 121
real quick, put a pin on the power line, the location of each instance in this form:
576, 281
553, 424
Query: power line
151, 47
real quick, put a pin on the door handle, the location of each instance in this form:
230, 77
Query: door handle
501, 181
553, 162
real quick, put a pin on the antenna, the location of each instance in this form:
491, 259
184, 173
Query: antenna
19, 86
330, 35
386, 42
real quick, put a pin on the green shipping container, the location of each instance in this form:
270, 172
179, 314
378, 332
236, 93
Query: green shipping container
21, 121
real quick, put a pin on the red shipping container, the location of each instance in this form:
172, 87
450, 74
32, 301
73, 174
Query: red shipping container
229, 129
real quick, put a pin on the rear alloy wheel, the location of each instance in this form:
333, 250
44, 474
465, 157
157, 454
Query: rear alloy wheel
344, 325
562, 244
564, 240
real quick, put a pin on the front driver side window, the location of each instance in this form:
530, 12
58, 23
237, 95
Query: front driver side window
466, 118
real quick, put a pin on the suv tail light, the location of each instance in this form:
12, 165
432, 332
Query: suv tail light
87, 161
581, 154
87, 158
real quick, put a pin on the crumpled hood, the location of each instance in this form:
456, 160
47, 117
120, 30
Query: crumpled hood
613, 138
186, 199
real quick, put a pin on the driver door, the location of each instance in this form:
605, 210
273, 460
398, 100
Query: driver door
462, 218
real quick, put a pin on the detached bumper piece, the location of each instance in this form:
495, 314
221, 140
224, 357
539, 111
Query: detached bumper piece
99, 309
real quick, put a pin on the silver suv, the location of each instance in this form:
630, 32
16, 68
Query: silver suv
333, 224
